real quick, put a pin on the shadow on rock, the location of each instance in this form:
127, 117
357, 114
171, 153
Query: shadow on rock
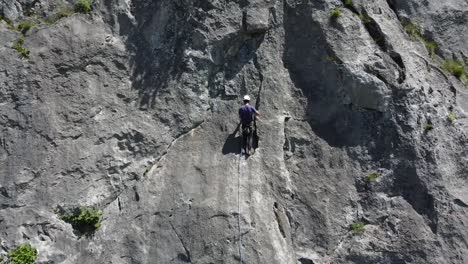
232, 143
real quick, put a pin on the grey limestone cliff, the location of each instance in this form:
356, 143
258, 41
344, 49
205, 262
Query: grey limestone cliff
132, 109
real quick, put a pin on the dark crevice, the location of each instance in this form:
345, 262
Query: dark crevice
305, 261
256, 139
177, 137
287, 144
242, 50
392, 5
397, 59
401, 76
137, 196
184, 257
413, 190
260, 74
332, 57
351, 7
379, 38
374, 31
279, 219
460, 203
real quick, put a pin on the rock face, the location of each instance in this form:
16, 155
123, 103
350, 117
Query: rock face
132, 109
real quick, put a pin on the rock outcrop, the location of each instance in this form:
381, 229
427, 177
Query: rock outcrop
132, 109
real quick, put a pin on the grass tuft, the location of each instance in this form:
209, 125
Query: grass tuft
416, 33
451, 117
413, 30
431, 46
18, 46
358, 228
25, 25
373, 176
335, 13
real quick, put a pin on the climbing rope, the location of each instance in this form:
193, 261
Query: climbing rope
238, 202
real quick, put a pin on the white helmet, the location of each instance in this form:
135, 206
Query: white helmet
246, 98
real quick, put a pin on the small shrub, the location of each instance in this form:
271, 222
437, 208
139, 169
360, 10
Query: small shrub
335, 13
24, 254
373, 176
358, 228
83, 6
428, 127
18, 46
348, 3
84, 220
431, 46
451, 117
25, 25
456, 68
413, 30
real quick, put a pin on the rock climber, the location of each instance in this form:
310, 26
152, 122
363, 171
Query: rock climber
247, 115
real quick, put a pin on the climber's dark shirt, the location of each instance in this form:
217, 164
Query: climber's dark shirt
246, 114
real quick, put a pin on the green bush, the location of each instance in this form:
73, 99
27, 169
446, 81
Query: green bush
348, 3
451, 117
335, 13
373, 176
456, 68
84, 6
18, 46
85, 220
25, 25
358, 228
431, 46
24, 254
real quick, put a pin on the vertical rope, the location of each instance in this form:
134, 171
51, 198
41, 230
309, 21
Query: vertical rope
238, 202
